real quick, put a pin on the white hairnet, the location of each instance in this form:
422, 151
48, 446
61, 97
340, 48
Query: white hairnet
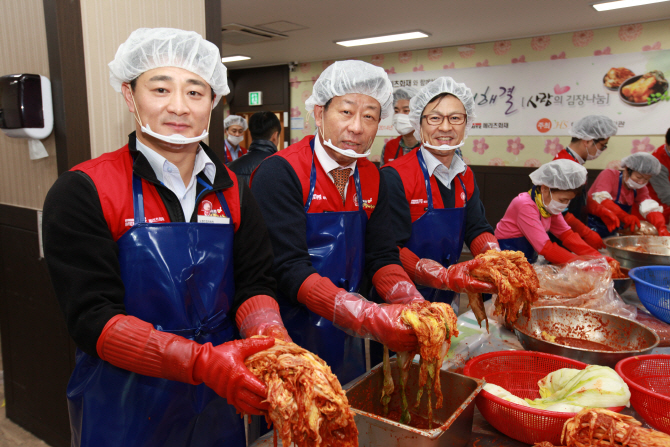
593, 127
235, 120
404, 93
149, 48
345, 77
642, 162
444, 84
560, 174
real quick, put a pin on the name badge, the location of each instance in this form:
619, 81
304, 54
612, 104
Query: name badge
213, 219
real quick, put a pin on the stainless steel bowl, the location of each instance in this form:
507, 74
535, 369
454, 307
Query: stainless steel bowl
628, 337
623, 284
657, 246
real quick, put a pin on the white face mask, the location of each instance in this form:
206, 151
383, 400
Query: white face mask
235, 140
346, 152
635, 185
443, 147
554, 207
176, 138
401, 124
594, 156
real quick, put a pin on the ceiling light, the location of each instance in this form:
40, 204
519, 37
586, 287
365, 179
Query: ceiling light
234, 58
382, 39
623, 4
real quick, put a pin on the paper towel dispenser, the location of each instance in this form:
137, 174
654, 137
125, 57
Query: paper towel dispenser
25, 106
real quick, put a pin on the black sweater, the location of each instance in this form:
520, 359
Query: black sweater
82, 256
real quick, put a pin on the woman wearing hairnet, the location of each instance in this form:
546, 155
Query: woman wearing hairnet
234, 127
433, 195
590, 136
329, 209
619, 199
158, 255
403, 144
533, 214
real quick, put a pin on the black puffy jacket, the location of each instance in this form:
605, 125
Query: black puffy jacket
258, 151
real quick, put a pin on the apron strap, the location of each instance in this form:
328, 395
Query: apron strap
138, 200
312, 183
465, 191
397, 152
228, 149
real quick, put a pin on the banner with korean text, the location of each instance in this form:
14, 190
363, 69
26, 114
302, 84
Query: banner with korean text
544, 98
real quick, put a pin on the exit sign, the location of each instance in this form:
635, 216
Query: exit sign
255, 98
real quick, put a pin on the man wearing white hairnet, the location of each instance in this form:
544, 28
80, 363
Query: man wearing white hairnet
234, 127
158, 256
403, 144
534, 214
620, 199
329, 210
434, 196
590, 136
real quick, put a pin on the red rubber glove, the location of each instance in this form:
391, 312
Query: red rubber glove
356, 315
631, 222
657, 220
576, 244
609, 217
259, 315
590, 237
429, 273
394, 286
132, 344
556, 254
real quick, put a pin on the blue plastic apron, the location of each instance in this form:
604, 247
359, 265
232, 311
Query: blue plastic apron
596, 223
336, 243
521, 243
438, 235
179, 277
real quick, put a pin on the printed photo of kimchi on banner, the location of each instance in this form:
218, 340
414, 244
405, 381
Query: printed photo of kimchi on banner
543, 98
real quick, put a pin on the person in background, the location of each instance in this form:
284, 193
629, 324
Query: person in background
533, 214
619, 199
590, 136
265, 129
659, 185
404, 143
158, 255
328, 209
234, 127
433, 194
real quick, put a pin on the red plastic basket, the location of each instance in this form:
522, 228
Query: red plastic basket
518, 372
648, 377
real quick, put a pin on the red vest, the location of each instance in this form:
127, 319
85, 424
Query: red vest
112, 174
326, 196
564, 155
229, 157
392, 150
415, 188
662, 156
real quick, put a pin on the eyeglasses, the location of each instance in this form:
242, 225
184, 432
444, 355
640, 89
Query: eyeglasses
437, 119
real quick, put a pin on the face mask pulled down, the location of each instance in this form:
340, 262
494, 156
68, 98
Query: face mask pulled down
442, 147
176, 138
346, 152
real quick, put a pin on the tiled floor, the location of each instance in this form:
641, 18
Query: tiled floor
12, 435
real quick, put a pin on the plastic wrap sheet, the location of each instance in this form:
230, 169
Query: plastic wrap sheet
582, 283
473, 340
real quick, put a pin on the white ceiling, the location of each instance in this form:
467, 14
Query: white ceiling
448, 22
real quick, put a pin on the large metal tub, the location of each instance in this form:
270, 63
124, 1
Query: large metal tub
455, 417
658, 247
627, 336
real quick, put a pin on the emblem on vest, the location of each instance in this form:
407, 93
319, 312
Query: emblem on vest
462, 196
318, 197
367, 204
131, 222
208, 214
418, 202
